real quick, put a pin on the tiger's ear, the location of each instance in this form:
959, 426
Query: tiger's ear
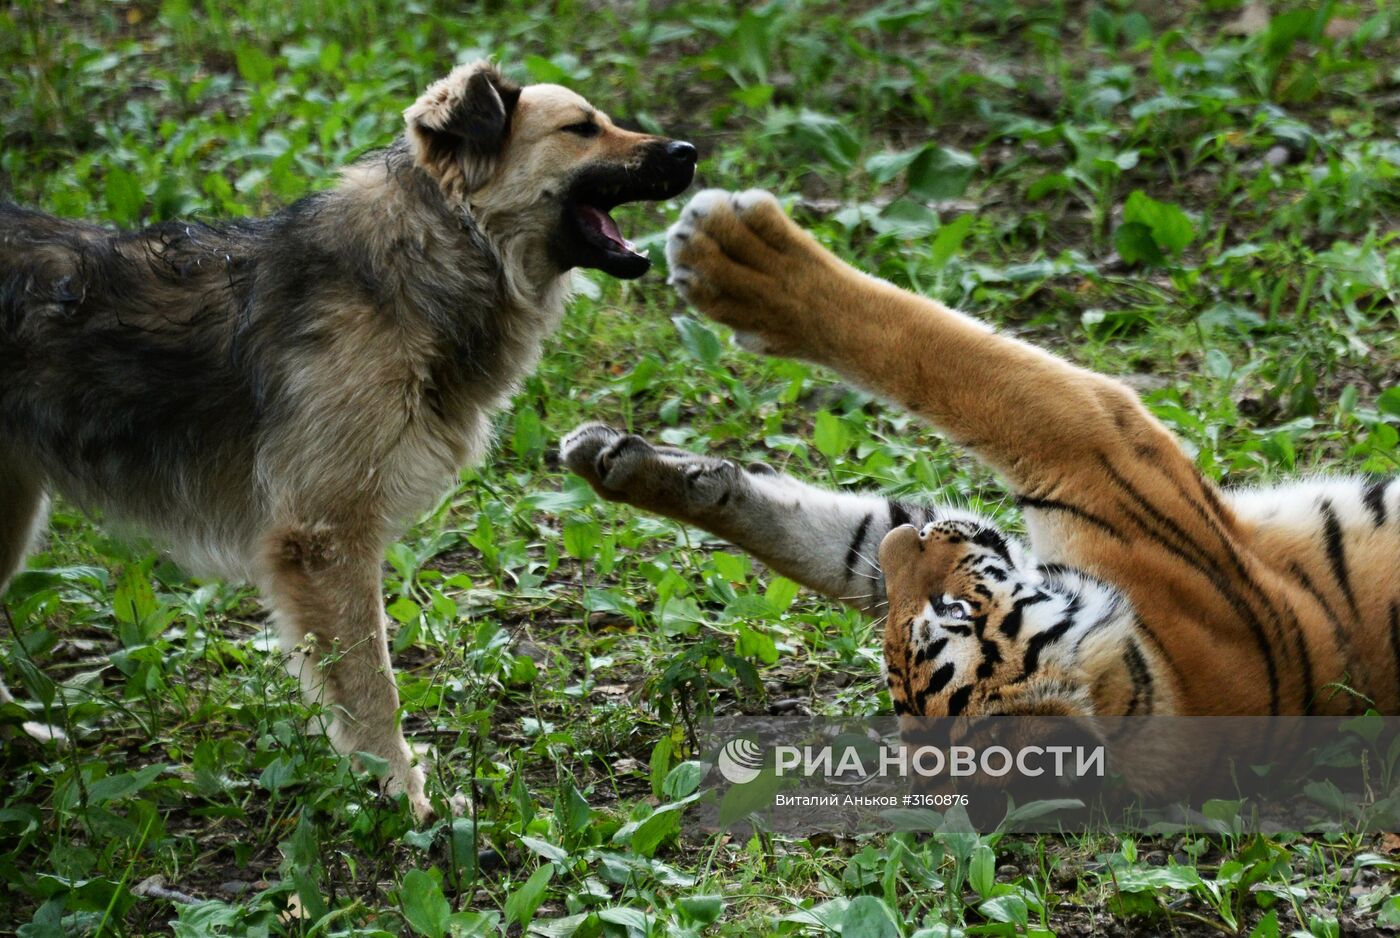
458, 128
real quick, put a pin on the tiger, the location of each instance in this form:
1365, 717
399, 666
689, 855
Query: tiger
1163, 593
974, 624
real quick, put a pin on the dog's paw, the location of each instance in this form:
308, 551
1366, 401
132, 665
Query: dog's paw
409, 781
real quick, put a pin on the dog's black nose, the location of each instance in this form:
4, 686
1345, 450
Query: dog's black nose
680, 150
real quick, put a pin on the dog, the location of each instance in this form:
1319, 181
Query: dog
274, 399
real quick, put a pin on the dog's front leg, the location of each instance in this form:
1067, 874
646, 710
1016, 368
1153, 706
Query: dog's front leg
324, 585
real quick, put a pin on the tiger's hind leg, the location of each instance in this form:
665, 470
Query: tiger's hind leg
828, 541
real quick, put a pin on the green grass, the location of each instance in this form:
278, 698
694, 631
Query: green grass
1204, 206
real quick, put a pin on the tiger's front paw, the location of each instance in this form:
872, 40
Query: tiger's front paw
591, 451
623, 467
739, 259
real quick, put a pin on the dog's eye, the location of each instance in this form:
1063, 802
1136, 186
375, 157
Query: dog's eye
582, 129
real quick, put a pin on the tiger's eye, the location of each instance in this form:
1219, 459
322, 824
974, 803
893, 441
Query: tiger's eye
949, 608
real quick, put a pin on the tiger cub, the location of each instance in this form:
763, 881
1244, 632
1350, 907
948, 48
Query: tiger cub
1279, 600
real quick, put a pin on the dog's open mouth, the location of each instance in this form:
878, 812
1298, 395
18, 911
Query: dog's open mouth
600, 230
590, 236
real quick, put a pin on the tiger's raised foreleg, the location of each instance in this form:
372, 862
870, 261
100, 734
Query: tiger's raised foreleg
827, 541
1034, 417
1104, 486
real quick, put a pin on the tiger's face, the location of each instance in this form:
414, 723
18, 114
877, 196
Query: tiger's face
958, 640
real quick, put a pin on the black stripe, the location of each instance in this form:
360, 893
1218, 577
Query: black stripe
939, 680
1336, 550
853, 551
1141, 677
899, 515
1242, 608
1341, 634
1183, 537
991, 657
1039, 640
930, 651
1373, 496
1217, 519
1395, 642
1050, 504
958, 702
1206, 566
1011, 624
991, 539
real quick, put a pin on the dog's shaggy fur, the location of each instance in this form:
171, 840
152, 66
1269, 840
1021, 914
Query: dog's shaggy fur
274, 398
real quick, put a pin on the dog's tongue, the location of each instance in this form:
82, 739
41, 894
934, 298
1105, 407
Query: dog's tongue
602, 222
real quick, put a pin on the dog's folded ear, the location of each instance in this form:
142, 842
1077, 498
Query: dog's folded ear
459, 126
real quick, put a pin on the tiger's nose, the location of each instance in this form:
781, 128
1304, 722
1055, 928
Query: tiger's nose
682, 152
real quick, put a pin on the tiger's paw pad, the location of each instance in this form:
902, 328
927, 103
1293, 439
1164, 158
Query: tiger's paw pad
578, 451
607, 458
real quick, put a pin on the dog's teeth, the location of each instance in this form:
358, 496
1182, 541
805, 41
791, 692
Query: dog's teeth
644, 253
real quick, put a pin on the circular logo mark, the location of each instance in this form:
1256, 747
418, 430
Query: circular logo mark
740, 761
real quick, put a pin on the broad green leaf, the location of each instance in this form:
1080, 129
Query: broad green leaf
981, 872
124, 196
755, 644
949, 239
116, 787
868, 917
698, 339
522, 903
780, 594
883, 167
1170, 227
545, 849
627, 917
571, 810
581, 537
683, 780
424, 907
1134, 243
1389, 401
703, 909
1010, 908
941, 173
1268, 926
831, 436
254, 65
